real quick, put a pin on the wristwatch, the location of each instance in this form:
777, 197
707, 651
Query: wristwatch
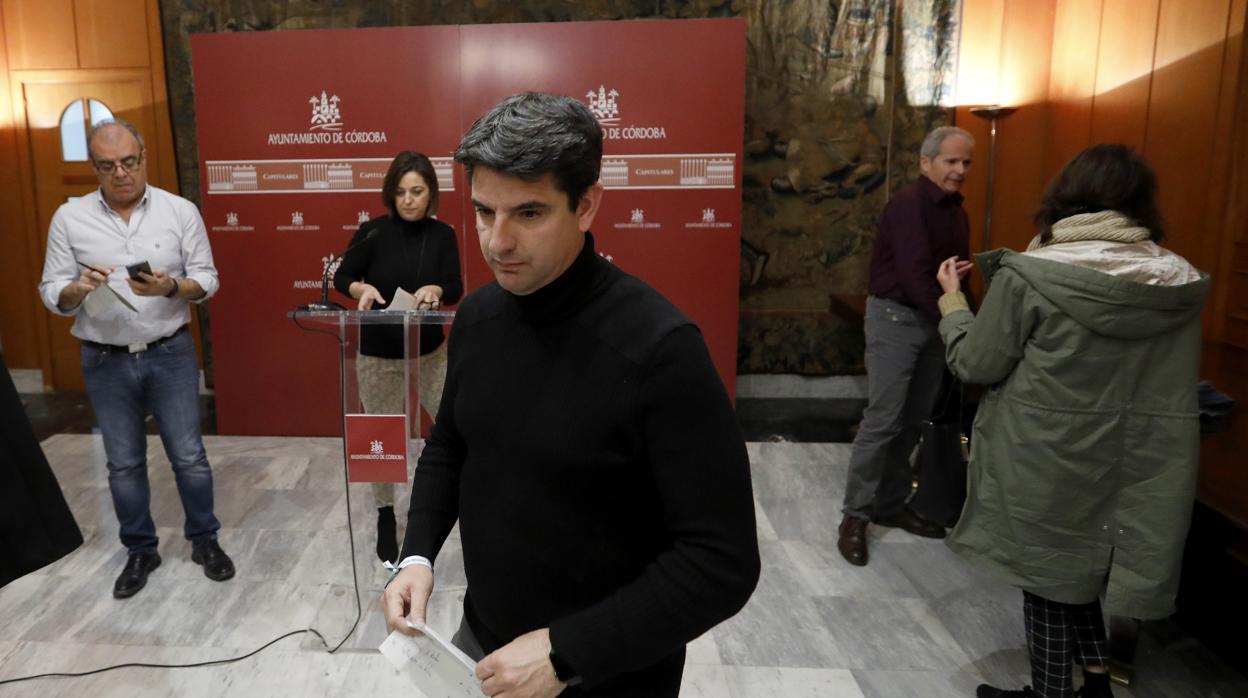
564, 671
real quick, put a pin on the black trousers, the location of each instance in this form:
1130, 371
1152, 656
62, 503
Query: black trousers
1059, 635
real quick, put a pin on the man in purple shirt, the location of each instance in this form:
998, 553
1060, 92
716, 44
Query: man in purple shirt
922, 225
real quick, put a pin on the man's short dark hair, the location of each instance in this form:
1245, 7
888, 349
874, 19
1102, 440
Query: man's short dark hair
534, 133
404, 162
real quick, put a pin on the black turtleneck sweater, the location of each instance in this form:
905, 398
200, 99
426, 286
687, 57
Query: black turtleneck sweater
403, 253
592, 457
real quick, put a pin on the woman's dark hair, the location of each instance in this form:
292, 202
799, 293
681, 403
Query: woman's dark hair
404, 162
1104, 177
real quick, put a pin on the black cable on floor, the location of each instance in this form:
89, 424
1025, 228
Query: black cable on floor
355, 579
164, 666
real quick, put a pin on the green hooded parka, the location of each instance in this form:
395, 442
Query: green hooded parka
1084, 449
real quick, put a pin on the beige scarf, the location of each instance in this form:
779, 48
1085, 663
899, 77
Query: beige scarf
1102, 225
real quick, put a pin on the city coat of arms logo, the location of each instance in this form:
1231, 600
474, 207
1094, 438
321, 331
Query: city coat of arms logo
325, 113
325, 127
602, 104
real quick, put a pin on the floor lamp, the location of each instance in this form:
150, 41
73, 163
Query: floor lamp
992, 114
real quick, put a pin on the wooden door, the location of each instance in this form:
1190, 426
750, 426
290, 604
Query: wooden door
53, 101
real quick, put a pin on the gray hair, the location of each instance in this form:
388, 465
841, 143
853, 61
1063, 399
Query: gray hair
531, 134
101, 125
935, 139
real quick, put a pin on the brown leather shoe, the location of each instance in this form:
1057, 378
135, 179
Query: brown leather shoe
852, 541
909, 521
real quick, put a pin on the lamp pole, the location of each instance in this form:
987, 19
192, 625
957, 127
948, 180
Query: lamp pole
992, 114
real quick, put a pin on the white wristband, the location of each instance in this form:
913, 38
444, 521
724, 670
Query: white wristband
408, 561
415, 560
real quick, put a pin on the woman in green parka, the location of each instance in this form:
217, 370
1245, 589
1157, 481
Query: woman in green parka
1084, 450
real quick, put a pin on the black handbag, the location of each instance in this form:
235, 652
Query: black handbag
944, 451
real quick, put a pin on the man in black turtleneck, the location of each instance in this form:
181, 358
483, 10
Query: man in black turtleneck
584, 443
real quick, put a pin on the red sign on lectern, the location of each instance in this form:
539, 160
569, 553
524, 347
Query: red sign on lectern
376, 448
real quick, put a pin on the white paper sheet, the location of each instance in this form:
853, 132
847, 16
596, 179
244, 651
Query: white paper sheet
105, 303
120, 298
402, 301
436, 666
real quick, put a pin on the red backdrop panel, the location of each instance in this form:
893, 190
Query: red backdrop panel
296, 129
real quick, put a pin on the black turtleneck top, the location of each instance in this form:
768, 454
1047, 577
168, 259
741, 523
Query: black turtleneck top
395, 253
592, 457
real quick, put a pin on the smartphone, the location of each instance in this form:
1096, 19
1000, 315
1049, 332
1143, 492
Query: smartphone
134, 270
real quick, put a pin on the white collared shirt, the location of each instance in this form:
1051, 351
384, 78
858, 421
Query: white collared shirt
164, 230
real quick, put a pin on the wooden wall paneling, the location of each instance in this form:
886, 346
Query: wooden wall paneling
1124, 71
40, 34
1182, 116
1026, 55
1227, 217
1072, 80
1233, 310
111, 33
21, 323
45, 323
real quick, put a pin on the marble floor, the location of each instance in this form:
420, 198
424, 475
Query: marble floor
916, 622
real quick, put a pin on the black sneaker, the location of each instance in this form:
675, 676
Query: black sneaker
217, 565
986, 691
134, 576
1095, 685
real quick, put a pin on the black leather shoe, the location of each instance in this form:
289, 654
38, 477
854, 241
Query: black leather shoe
986, 691
217, 565
134, 576
909, 521
852, 540
387, 543
1095, 685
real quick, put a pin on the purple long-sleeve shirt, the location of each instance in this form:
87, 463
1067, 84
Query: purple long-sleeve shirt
921, 226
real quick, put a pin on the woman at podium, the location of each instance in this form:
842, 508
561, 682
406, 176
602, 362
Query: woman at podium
412, 250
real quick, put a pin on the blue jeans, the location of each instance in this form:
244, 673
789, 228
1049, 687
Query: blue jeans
123, 387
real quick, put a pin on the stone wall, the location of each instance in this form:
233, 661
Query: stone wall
833, 124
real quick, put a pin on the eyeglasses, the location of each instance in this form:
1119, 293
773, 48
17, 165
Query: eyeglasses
129, 164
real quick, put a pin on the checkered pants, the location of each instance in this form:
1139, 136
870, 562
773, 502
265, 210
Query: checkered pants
1058, 635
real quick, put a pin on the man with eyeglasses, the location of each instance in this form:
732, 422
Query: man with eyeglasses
137, 355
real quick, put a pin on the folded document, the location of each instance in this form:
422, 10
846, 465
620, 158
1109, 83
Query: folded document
438, 668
